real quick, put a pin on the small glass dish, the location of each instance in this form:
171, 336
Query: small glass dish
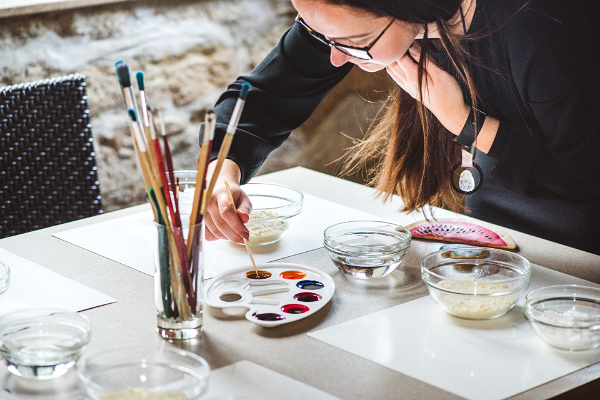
367, 249
565, 316
142, 373
4, 279
275, 209
481, 283
43, 343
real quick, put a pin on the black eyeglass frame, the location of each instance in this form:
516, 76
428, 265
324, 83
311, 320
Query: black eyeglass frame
361, 53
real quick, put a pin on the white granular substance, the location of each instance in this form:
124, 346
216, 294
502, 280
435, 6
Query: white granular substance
262, 231
475, 307
143, 394
568, 338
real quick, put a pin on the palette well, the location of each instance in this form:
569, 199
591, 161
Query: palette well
281, 294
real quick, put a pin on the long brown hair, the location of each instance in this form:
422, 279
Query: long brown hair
415, 152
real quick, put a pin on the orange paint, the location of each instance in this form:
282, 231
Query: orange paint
292, 275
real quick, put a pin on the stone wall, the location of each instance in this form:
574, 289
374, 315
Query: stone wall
189, 51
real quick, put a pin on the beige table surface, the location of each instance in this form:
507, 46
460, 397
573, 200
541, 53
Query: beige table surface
229, 338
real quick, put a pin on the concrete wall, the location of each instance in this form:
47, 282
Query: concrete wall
189, 51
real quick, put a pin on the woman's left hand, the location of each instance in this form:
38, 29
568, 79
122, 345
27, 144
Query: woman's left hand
442, 94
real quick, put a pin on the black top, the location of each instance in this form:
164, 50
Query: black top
537, 68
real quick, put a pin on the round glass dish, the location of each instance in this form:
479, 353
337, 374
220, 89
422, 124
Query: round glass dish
44, 343
4, 279
275, 209
565, 316
367, 249
481, 283
142, 373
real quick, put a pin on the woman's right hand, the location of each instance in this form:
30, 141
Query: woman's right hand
221, 219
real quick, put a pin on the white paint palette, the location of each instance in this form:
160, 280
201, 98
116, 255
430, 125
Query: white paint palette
285, 292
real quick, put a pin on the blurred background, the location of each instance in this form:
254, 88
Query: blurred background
189, 50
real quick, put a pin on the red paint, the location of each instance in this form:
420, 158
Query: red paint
294, 308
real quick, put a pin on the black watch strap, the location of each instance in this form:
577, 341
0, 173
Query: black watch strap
470, 130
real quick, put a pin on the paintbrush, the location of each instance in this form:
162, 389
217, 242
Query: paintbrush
124, 77
232, 202
207, 138
170, 170
139, 76
224, 150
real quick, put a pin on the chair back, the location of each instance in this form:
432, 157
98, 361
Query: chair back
48, 170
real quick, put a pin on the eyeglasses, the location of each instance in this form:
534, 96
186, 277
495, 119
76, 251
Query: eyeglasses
358, 52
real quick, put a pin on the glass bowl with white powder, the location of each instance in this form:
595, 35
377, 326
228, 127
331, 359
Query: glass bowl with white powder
142, 373
565, 316
480, 284
275, 209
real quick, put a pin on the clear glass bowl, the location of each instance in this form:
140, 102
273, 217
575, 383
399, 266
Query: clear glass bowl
275, 209
43, 344
480, 283
565, 316
142, 373
4, 279
367, 249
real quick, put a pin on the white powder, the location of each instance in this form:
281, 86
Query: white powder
143, 394
567, 338
262, 231
471, 306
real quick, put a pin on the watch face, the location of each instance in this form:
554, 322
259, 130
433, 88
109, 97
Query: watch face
467, 180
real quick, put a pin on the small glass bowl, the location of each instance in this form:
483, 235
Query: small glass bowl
275, 209
565, 316
4, 279
43, 343
142, 373
478, 284
367, 249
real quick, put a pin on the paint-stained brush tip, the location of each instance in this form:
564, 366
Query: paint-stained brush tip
244, 91
132, 114
140, 79
122, 71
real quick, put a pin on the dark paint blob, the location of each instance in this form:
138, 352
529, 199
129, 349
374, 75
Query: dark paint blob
268, 316
307, 297
310, 285
294, 309
261, 274
292, 275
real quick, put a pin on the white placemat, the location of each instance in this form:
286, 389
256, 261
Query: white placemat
245, 380
128, 240
483, 360
33, 286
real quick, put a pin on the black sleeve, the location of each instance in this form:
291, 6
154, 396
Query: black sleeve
553, 59
287, 86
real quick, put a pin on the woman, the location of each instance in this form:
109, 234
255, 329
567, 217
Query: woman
517, 78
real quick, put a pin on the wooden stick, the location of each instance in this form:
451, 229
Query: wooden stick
232, 202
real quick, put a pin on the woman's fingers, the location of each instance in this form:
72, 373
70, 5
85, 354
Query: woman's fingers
398, 75
222, 220
440, 93
210, 228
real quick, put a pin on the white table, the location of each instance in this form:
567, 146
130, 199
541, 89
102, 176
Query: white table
229, 338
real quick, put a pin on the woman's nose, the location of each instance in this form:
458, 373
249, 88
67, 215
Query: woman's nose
338, 58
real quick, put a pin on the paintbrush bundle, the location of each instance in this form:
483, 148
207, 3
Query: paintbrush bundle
178, 255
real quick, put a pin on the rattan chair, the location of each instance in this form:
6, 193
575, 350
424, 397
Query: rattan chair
47, 167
